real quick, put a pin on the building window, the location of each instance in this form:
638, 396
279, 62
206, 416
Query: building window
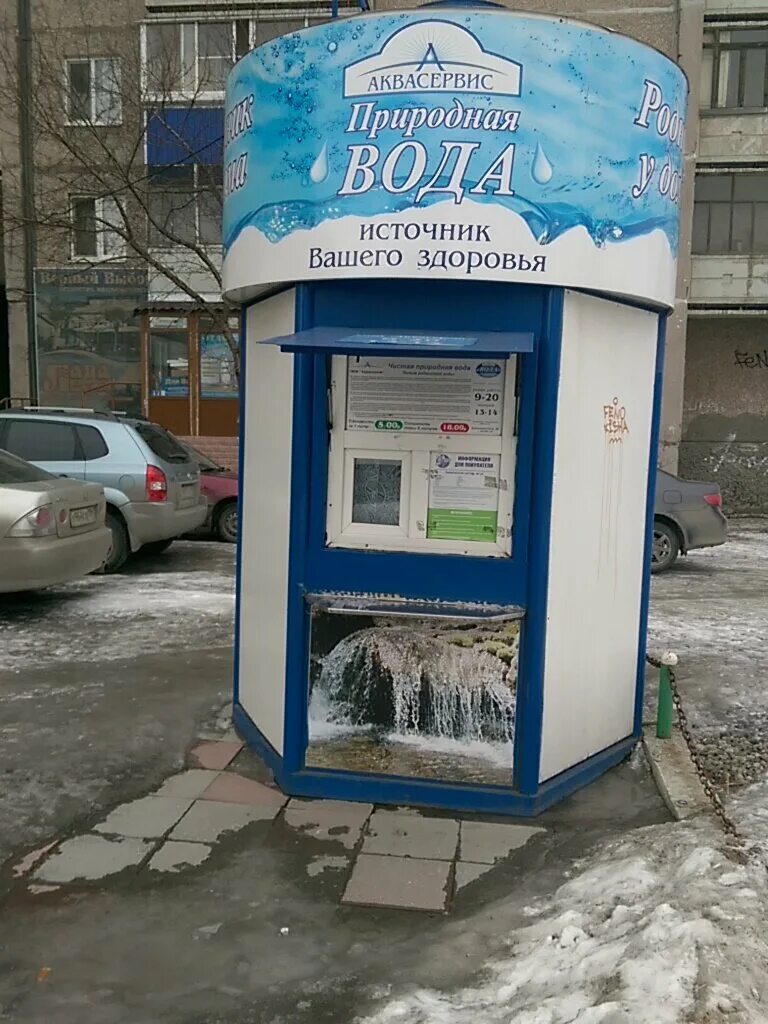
192, 57
96, 228
730, 213
185, 205
734, 69
93, 91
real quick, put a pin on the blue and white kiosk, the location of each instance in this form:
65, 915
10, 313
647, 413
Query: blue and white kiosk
453, 232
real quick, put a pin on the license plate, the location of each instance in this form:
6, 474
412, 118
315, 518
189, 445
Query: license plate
85, 516
188, 494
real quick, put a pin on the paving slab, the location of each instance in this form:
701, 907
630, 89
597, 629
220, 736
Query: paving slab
148, 818
91, 857
331, 820
466, 873
484, 842
236, 789
206, 820
409, 835
404, 883
192, 783
173, 856
215, 755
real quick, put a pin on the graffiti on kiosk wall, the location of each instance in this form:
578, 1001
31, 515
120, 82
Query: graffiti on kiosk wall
487, 145
88, 336
615, 422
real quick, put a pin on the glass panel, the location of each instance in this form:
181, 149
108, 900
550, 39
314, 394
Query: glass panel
163, 58
713, 187
168, 364
209, 212
750, 186
760, 239
79, 85
730, 67
412, 696
741, 232
719, 227
92, 442
162, 442
754, 78
217, 363
242, 37
700, 227
112, 242
376, 491
173, 218
749, 35
188, 58
215, 54
705, 82
107, 102
84, 225
41, 441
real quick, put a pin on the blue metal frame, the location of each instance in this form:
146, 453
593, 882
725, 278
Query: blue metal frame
313, 566
653, 459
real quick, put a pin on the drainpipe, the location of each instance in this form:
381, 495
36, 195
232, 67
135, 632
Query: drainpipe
26, 155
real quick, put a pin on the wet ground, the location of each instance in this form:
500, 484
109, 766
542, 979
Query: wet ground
103, 688
712, 610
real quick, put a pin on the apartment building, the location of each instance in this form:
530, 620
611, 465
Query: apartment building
115, 299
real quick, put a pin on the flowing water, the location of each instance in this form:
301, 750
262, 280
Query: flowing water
416, 700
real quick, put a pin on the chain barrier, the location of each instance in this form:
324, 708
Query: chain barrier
729, 826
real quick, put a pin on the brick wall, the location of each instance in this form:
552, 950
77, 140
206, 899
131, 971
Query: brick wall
221, 449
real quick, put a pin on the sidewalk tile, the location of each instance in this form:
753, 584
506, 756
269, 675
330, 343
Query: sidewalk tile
406, 835
173, 856
331, 820
91, 857
236, 789
215, 754
485, 842
466, 873
191, 783
405, 883
206, 820
148, 818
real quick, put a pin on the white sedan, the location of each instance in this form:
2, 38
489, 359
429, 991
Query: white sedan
51, 529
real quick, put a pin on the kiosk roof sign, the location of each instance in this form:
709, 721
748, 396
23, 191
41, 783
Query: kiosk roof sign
433, 56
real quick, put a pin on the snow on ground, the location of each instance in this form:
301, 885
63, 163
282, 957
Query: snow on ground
157, 606
659, 927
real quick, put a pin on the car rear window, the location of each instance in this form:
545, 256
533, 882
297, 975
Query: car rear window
16, 471
92, 442
161, 442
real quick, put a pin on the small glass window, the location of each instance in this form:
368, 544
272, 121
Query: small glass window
16, 471
376, 491
41, 440
92, 443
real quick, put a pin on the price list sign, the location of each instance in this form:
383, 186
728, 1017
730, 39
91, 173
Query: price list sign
425, 396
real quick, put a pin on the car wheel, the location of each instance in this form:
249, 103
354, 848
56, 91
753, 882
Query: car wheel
666, 546
225, 522
119, 549
156, 547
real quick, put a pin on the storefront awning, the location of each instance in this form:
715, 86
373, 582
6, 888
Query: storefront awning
388, 342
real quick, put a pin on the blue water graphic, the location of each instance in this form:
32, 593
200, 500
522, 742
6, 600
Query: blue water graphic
577, 146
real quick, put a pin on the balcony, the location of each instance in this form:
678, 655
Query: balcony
729, 280
733, 137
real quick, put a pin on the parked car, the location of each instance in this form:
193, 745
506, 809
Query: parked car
687, 515
151, 483
220, 487
51, 530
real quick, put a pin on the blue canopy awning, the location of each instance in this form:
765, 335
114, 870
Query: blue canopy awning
392, 341
185, 135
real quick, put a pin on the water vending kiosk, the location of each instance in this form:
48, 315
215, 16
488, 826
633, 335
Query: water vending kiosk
453, 231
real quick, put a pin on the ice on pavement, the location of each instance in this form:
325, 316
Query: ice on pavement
658, 927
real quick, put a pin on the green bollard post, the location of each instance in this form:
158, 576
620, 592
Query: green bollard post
664, 711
